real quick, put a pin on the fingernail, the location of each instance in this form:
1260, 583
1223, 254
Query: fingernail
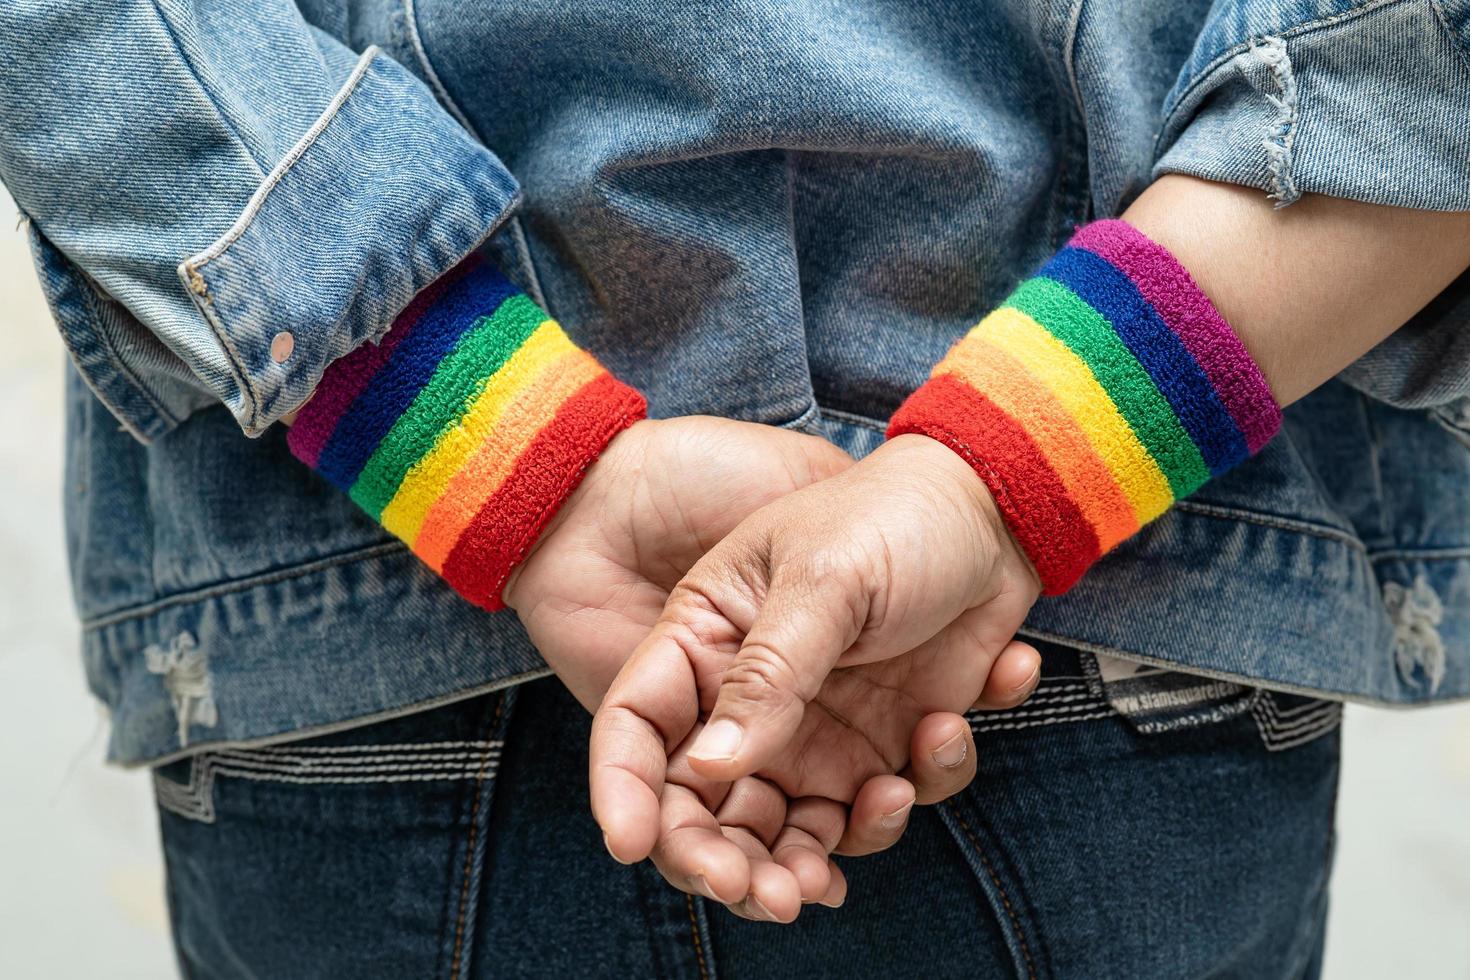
951, 753
754, 906
889, 821
717, 742
701, 886
1029, 682
835, 903
608, 844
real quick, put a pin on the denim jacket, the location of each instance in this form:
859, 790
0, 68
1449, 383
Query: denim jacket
775, 210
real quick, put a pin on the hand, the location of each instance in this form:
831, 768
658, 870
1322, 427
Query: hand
660, 495
905, 551
883, 735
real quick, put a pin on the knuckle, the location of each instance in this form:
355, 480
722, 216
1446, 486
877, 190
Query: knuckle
762, 675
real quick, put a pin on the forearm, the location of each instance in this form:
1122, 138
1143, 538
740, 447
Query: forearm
1310, 288
1153, 354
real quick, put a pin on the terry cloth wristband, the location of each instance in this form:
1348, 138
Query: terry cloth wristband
465, 427
1103, 390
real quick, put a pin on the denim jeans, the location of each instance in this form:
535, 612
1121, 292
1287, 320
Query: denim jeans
1105, 835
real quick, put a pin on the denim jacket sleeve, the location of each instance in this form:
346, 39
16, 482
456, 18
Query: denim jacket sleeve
1360, 99
224, 200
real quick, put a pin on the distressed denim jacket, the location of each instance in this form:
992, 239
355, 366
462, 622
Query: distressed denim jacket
775, 210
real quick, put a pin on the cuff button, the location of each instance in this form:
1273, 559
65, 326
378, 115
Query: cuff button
282, 344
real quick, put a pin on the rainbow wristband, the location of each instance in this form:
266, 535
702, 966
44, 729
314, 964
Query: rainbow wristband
465, 427
1103, 390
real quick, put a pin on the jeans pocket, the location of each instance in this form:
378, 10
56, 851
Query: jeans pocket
1148, 823
358, 853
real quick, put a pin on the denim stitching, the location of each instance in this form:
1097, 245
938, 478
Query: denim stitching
1058, 711
279, 171
852, 418
198, 291
694, 931
231, 586
272, 776
995, 879
193, 800
188, 270
1014, 725
1270, 520
450, 766
421, 748
1278, 734
1421, 554
293, 735
464, 892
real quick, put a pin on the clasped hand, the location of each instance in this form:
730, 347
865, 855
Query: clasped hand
780, 645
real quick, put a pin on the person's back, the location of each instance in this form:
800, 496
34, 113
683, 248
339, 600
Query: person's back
781, 213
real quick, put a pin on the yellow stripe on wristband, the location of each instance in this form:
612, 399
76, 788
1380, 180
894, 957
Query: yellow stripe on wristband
1069, 379
425, 483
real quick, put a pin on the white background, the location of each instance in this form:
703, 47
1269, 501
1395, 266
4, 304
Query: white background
81, 885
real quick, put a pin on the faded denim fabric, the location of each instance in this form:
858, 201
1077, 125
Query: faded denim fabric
783, 211
459, 843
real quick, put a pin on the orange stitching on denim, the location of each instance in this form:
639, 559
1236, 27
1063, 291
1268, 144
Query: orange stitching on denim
698, 944
469, 847
1005, 900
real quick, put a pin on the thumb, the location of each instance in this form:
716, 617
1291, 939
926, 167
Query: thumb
802, 628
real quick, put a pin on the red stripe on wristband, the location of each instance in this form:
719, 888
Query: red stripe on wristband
545, 474
1036, 506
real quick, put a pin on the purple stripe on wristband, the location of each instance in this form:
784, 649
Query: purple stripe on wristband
1173, 293
318, 419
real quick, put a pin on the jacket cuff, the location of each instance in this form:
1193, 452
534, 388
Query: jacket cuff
466, 427
381, 197
1102, 390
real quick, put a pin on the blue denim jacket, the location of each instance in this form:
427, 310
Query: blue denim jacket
775, 210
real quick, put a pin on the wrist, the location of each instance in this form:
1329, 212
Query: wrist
1102, 390
465, 428
1007, 566
613, 467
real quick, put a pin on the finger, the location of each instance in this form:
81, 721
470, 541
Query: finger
803, 855
805, 623
650, 707
756, 806
693, 854
814, 825
774, 893
1013, 677
880, 812
953, 666
941, 757
837, 890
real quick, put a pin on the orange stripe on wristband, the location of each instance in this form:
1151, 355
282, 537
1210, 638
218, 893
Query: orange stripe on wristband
543, 475
488, 467
1089, 482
